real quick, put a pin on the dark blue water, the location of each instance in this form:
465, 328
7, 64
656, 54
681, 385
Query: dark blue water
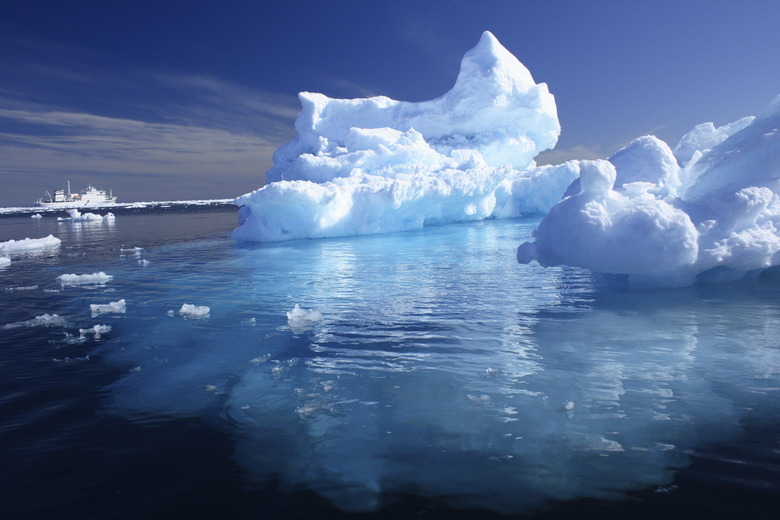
443, 379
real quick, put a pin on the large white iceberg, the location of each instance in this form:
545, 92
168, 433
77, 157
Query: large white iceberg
375, 165
716, 219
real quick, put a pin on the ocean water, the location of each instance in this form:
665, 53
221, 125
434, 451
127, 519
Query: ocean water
426, 373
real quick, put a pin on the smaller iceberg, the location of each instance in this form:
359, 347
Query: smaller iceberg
640, 214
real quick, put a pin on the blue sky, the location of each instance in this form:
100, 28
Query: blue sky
179, 100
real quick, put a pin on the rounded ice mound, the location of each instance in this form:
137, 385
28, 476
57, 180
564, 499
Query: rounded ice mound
724, 225
383, 165
628, 232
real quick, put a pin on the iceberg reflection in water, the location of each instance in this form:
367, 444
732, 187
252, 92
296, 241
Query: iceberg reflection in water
441, 367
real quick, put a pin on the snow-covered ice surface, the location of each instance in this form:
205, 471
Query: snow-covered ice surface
376, 165
641, 215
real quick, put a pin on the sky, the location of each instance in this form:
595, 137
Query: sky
175, 100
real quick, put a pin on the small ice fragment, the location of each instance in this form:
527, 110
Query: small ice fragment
5, 261
43, 320
36, 216
117, 307
479, 399
491, 372
190, 311
143, 262
97, 331
171, 313
568, 406
100, 278
301, 319
260, 359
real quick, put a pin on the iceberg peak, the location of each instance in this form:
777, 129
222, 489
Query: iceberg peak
491, 61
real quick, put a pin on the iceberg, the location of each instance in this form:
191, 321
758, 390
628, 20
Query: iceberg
376, 165
716, 219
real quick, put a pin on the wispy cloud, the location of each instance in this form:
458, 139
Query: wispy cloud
183, 131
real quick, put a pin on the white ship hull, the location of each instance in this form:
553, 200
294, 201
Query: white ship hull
89, 198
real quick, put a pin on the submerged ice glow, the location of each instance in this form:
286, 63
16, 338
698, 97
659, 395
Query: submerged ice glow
463, 376
428, 363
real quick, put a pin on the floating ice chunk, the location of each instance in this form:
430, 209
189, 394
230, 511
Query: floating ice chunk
77, 216
117, 307
70, 359
4, 261
100, 278
134, 251
36, 216
29, 244
43, 320
301, 319
377, 165
144, 262
97, 331
190, 311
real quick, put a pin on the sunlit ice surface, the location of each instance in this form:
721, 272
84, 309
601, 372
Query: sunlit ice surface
434, 364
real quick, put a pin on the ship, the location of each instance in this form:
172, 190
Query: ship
88, 198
